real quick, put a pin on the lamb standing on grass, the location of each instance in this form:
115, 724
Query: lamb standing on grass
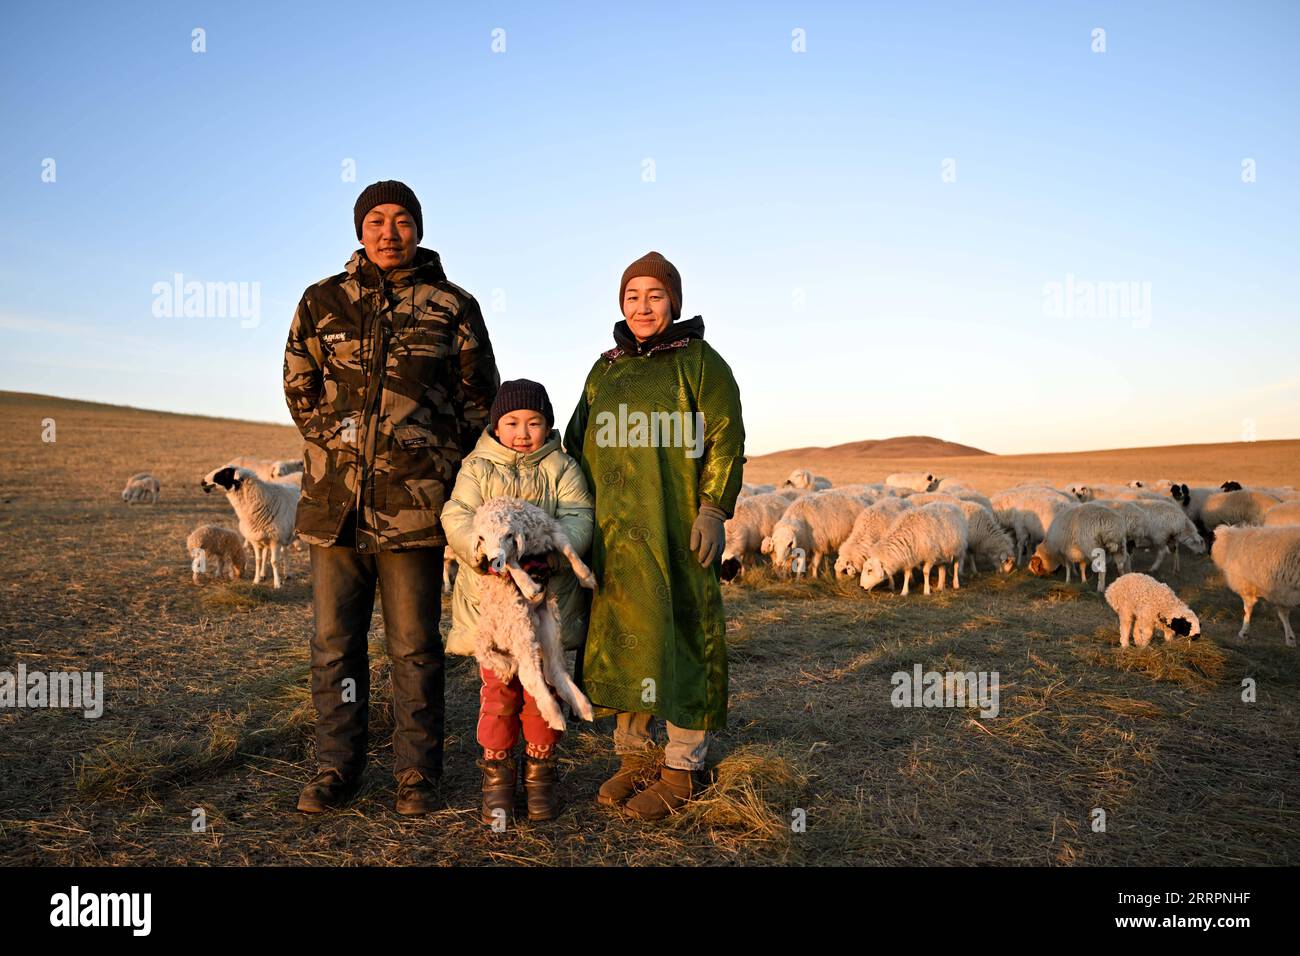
216, 550
519, 620
1261, 563
142, 487
925, 536
1143, 603
1075, 537
266, 511
818, 523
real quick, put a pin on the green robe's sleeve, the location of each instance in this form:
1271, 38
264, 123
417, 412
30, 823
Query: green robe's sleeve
578, 422
458, 513
718, 397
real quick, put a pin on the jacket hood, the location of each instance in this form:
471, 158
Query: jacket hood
683, 328
427, 268
488, 447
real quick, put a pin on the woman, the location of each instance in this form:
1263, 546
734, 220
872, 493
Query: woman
659, 436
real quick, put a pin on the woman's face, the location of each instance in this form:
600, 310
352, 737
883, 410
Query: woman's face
522, 431
646, 307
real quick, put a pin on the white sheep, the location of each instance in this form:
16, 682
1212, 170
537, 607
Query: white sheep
1168, 528
805, 479
215, 550
930, 535
262, 467
266, 511
752, 521
519, 620
985, 538
1076, 536
1288, 512
1144, 604
286, 467
869, 526
817, 523
1235, 507
912, 480
142, 486
1261, 563
1027, 512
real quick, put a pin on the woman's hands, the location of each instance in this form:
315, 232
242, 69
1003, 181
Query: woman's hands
707, 535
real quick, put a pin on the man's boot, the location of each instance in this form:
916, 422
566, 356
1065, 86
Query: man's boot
498, 790
416, 794
328, 790
669, 794
540, 780
632, 774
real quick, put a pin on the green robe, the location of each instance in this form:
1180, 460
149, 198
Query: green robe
656, 642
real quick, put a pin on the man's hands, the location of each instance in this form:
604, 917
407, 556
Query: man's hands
707, 536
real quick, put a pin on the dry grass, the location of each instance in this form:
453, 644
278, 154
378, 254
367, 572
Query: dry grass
208, 706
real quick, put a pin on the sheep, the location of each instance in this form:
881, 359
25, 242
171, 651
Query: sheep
1143, 603
913, 480
869, 526
142, 486
952, 485
985, 538
1235, 507
519, 620
262, 467
1288, 512
216, 550
266, 511
803, 478
1168, 528
1193, 499
818, 524
747, 489
1160, 486
1027, 513
1282, 493
753, 520
281, 468
1135, 525
1261, 564
925, 536
1112, 492
1075, 536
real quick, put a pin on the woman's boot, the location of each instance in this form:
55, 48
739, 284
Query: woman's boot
498, 791
632, 773
673, 790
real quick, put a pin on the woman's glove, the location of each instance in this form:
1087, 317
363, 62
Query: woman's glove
707, 536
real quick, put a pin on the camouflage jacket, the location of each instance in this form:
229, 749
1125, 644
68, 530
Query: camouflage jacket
389, 377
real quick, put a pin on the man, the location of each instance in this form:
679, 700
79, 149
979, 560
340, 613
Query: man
389, 375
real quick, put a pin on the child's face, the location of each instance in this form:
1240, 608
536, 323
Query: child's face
646, 307
522, 431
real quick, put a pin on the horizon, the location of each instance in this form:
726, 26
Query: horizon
993, 226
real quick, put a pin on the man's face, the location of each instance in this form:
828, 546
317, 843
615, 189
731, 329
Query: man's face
388, 233
646, 307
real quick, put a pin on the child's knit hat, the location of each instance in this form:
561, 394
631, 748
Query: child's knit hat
521, 393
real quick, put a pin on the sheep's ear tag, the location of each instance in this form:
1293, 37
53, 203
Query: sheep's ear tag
798, 561
499, 563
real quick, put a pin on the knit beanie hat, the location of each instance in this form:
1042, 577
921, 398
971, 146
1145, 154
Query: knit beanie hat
386, 191
521, 393
656, 266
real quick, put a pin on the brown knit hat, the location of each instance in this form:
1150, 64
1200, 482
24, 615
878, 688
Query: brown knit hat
386, 191
657, 267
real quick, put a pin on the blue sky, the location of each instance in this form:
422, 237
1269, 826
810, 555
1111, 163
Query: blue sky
855, 293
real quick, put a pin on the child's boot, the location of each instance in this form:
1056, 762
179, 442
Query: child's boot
498, 790
540, 780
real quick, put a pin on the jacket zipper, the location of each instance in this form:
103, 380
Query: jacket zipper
366, 475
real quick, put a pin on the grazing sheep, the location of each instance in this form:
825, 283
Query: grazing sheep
1192, 500
752, 521
1261, 564
986, 539
519, 620
1112, 493
920, 537
281, 468
216, 550
1028, 512
266, 511
142, 486
805, 479
1074, 538
1235, 507
1168, 528
1143, 604
869, 526
912, 481
1288, 512
818, 523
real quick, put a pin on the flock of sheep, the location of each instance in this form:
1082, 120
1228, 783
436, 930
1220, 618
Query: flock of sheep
911, 521
916, 521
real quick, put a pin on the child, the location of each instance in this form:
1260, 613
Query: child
658, 432
517, 455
